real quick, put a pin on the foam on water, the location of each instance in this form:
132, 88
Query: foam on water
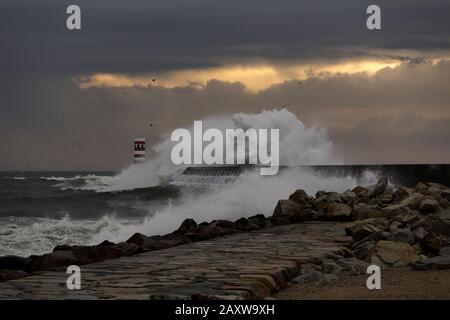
246, 195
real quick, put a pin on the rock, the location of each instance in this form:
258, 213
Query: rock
363, 211
402, 193
128, 249
352, 266
392, 253
258, 219
300, 197
402, 235
338, 211
225, 224
419, 234
350, 197
435, 263
444, 251
6, 275
14, 263
361, 229
379, 188
186, 225
428, 206
142, 241
244, 224
445, 194
105, 243
314, 276
412, 202
432, 243
278, 221
287, 208
362, 250
361, 192
304, 215
385, 198
395, 225
440, 222
444, 204
168, 241
96, 253
54, 260
331, 268
212, 230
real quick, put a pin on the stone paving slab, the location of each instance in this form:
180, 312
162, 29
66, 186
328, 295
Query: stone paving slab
248, 265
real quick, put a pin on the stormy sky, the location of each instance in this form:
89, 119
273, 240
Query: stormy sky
74, 100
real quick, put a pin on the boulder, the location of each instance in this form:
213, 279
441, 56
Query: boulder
395, 225
287, 208
440, 222
212, 230
445, 194
412, 202
379, 188
350, 197
186, 225
304, 215
362, 249
363, 211
361, 192
338, 211
385, 198
402, 235
258, 219
444, 251
314, 276
361, 229
435, 263
6, 275
277, 221
105, 243
419, 234
300, 197
128, 249
402, 193
168, 241
14, 263
54, 260
225, 224
352, 266
432, 243
428, 206
142, 241
331, 268
94, 254
392, 254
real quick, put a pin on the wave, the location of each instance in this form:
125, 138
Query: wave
24, 236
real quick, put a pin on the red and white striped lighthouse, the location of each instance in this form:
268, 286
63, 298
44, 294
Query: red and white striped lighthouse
139, 149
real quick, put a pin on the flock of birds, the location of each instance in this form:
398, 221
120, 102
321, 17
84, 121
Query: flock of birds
78, 147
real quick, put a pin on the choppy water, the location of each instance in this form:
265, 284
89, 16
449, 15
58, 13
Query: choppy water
39, 210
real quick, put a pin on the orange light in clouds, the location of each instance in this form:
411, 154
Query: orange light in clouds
254, 77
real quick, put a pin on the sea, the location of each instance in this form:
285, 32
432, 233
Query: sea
39, 210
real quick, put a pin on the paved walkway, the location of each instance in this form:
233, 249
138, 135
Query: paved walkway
240, 266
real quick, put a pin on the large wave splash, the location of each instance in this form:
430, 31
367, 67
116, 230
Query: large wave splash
298, 145
250, 193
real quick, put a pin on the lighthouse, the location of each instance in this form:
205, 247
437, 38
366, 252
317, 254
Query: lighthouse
139, 150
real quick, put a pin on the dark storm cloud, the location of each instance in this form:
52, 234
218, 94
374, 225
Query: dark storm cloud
398, 115
160, 35
48, 122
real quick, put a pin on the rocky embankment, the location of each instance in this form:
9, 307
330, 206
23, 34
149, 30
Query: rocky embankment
405, 226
